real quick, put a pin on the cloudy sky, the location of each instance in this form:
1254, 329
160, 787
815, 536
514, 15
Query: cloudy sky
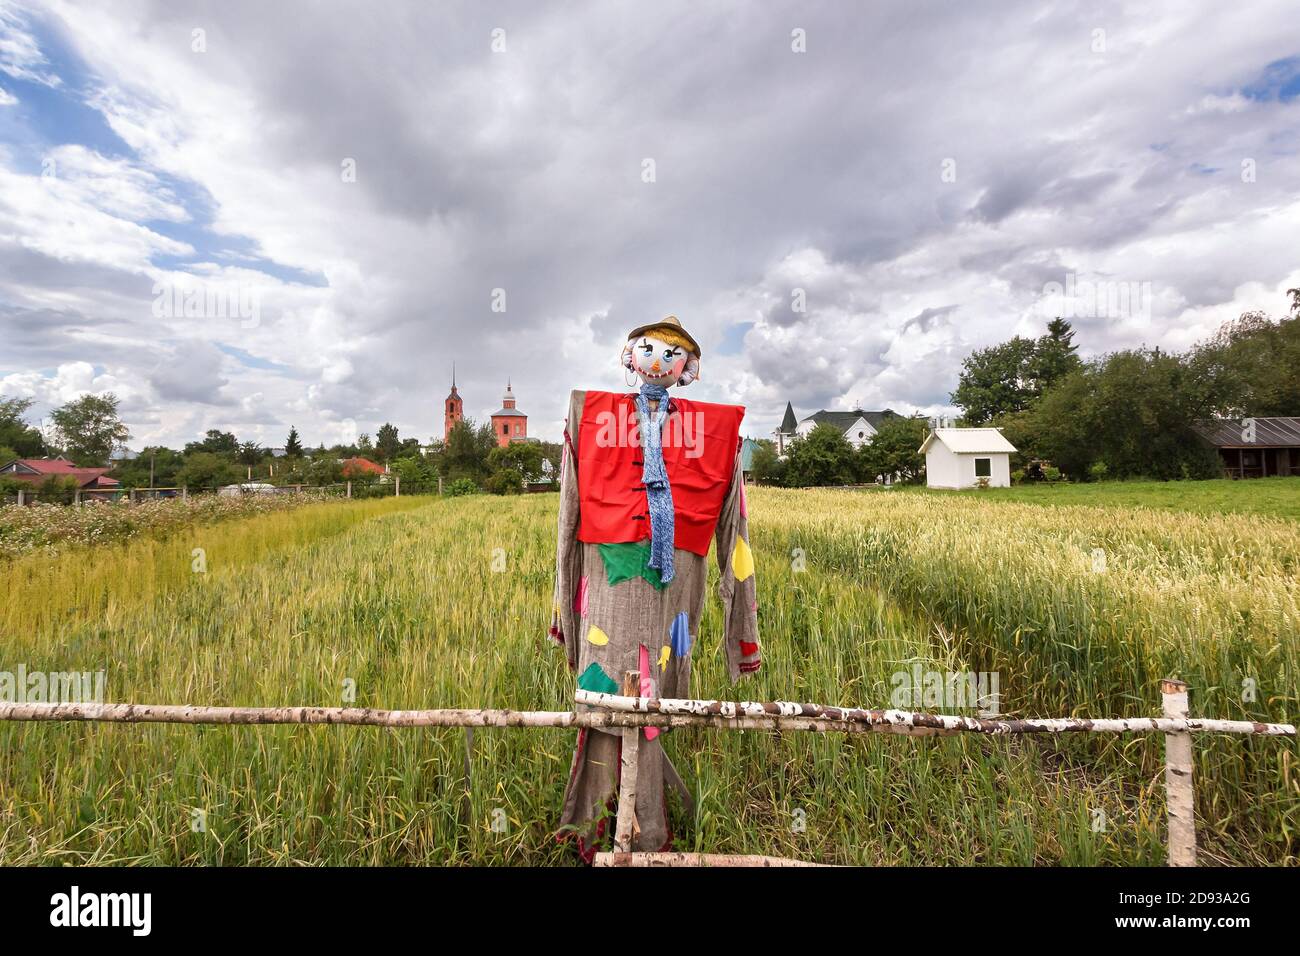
249, 215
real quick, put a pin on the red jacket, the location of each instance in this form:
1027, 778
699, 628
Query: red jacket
700, 444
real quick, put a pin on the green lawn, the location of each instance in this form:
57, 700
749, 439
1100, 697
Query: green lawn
1266, 496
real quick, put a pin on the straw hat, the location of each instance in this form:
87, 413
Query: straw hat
669, 323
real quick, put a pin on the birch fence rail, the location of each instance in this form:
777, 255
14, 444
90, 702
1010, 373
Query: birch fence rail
628, 714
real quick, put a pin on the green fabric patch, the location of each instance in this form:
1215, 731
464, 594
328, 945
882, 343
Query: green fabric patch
628, 560
595, 679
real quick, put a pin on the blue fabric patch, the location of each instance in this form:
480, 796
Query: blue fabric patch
679, 635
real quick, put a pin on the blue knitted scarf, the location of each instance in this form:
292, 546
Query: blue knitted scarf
658, 493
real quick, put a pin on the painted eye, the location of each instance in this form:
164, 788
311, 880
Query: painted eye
647, 349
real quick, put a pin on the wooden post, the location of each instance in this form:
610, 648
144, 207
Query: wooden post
349, 489
21, 500
440, 484
1178, 778
397, 486
185, 492
626, 827
76, 497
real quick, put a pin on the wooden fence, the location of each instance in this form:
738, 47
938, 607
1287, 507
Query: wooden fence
628, 713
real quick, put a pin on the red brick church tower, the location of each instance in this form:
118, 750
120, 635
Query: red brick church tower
455, 408
509, 424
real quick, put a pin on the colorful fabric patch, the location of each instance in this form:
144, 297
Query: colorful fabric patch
679, 635
664, 653
629, 560
595, 679
597, 636
744, 506
647, 686
748, 647
580, 599
742, 559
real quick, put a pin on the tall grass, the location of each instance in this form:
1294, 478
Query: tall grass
399, 600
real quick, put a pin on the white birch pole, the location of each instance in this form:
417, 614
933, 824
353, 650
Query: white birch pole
626, 826
899, 722
1179, 795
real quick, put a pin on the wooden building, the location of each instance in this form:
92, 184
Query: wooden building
1255, 447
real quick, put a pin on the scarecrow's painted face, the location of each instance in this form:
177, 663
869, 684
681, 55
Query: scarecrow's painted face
656, 361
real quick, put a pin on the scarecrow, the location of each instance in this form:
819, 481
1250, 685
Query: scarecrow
646, 483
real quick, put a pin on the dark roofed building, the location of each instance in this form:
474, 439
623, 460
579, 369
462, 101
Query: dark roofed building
1254, 447
857, 426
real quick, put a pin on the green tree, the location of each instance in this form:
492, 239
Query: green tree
509, 467
1008, 378
135, 473
413, 470
387, 442
88, 428
250, 453
215, 442
293, 444
893, 450
206, 469
767, 467
1133, 412
1252, 362
21, 439
466, 451
822, 457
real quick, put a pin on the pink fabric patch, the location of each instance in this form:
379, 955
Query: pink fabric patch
744, 506
647, 687
580, 599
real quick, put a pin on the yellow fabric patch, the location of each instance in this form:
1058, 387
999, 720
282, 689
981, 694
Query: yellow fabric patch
597, 636
663, 656
742, 559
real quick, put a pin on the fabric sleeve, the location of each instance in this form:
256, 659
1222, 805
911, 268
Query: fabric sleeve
565, 616
737, 586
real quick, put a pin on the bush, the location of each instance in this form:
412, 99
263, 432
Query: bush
505, 481
462, 486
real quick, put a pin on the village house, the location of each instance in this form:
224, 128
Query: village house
361, 468
1254, 447
857, 426
92, 483
967, 458
36, 470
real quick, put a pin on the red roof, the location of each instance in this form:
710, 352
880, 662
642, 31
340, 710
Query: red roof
358, 465
37, 469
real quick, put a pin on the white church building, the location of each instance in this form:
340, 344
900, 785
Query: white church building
961, 457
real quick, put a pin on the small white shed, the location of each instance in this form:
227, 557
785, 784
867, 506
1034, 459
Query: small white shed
960, 457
